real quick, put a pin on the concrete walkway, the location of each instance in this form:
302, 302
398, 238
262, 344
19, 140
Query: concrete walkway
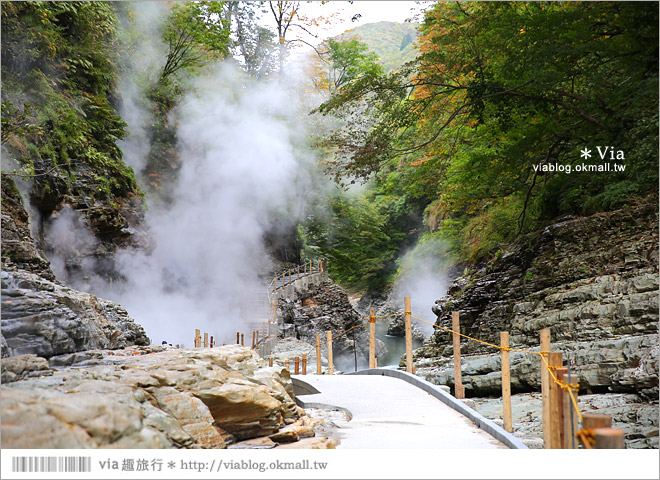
391, 413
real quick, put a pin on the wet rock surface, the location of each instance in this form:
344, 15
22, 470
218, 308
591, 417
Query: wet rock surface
40, 316
150, 397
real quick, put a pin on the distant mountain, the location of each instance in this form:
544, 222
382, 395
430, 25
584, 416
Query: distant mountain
393, 42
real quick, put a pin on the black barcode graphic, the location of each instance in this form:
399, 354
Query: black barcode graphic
51, 464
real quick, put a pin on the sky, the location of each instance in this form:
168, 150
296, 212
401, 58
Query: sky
344, 12
370, 11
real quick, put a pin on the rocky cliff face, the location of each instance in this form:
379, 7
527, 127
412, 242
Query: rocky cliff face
327, 307
41, 316
592, 281
149, 397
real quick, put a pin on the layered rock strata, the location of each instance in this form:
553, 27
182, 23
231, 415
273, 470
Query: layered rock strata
148, 397
325, 307
592, 281
40, 316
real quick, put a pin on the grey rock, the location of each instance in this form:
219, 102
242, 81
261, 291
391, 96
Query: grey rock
147, 397
45, 318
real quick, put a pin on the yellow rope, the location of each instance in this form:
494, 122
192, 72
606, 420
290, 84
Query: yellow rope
346, 331
569, 387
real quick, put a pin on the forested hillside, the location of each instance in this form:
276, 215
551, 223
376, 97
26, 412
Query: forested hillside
508, 119
393, 43
60, 125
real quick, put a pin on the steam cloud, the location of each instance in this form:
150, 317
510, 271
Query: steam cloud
423, 277
240, 162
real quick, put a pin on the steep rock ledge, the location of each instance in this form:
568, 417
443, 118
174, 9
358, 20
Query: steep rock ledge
41, 316
592, 281
146, 397
326, 307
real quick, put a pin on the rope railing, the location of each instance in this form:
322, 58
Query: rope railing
559, 395
586, 436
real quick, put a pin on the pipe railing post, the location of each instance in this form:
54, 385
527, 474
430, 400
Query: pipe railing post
372, 337
506, 382
330, 365
459, 391
408, 330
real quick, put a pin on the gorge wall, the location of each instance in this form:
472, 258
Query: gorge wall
40, 315
593, 281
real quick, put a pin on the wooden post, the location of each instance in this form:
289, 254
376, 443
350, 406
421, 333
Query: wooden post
274, 314
206, 340
270, 362
331, 368
275, 285
592, 421
296, 363
287, 364
304, 364
372, 338
238, 338
283, 279
556, 402
197, 338
459, 391
609, 438
254, 337
318, 354
408, 330
506, 382
242, 340
212, 342
569, 414
310, 265
545, 388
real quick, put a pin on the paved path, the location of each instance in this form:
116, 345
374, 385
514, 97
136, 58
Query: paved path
391, 413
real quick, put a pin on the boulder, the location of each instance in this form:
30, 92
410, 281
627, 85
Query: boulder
45, 318
144, 397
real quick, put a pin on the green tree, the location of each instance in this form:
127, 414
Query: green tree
499, 89
356, 239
